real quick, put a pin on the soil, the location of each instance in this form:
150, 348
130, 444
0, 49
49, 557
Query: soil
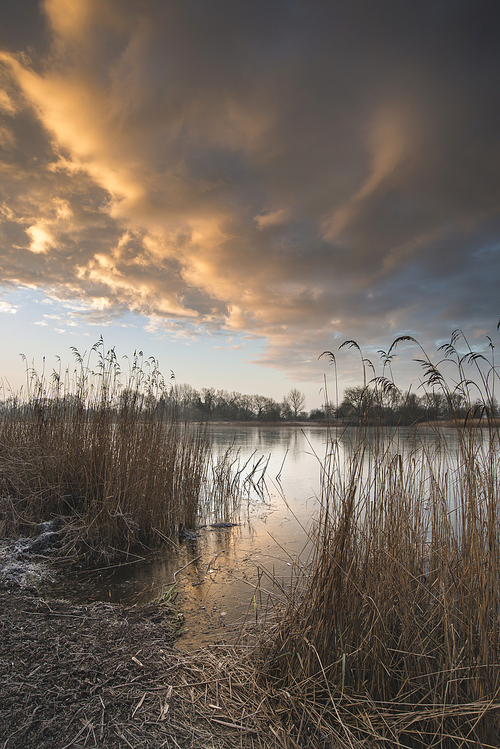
107, 675
73, 675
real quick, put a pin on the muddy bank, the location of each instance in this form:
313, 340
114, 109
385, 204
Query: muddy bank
108, 675
72, 675
105, 675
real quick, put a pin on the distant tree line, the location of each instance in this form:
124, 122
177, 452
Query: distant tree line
369, 405
359, 406
222, 405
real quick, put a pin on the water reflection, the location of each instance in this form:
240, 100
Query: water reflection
216, 574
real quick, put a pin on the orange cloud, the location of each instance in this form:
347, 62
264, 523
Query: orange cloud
207, 170
388, 142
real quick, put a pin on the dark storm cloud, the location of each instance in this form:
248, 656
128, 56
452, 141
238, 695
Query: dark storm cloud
299, 171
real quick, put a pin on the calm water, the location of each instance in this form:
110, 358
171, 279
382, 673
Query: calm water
216, 575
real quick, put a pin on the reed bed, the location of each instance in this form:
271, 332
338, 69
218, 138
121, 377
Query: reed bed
396, 632
103, 449
390, 637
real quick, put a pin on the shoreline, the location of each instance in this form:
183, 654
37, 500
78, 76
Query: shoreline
476, 423
101, 675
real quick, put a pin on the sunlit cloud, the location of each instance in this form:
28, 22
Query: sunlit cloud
8, 308
280, 182
273, 218
41, 238
388, 143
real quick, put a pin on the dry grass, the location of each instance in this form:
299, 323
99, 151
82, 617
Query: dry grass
394, 637
398, 628
104, 450
108, 675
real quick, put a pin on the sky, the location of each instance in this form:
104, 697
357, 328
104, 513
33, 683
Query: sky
234, 187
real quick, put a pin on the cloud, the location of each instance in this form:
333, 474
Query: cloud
6, 103
8, 308
273, 218
41, 238
388, 143
324, 174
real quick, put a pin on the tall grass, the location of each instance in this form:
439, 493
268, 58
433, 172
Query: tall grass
101, 447
400, 617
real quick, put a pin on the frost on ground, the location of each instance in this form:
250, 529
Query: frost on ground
25, 562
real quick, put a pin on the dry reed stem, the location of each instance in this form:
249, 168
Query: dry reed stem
402, 610
110, 457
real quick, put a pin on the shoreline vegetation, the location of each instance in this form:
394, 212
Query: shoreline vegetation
389, 637
444, 424
96, 450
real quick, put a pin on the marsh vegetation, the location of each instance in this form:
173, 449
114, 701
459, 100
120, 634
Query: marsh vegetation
390, 636
394, 635
100, 447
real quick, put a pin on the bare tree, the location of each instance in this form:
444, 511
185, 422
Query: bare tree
296, 400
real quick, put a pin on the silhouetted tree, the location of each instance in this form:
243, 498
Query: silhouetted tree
296, 400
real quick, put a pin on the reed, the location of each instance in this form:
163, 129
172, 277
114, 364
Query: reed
101, 447
399, 620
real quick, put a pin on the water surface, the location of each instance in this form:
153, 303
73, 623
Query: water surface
226, 576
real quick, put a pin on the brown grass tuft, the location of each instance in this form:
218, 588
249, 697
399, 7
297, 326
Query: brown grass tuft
398, 624
104, 450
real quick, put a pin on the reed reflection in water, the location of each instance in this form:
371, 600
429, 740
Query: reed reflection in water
226, 576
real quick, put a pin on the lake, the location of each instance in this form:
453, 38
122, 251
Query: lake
226, 576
